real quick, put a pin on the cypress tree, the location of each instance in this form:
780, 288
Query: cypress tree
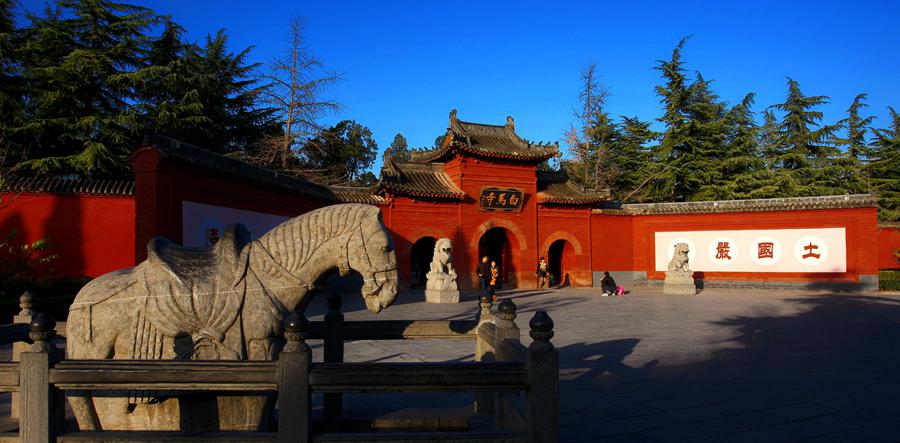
668, 155
884, 168
855, 147
82, 76
632, 158
803, 152
399, 148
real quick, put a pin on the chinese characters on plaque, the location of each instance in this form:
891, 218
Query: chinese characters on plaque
784, 250
501, 199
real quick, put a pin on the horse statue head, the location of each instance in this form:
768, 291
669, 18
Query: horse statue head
349, 237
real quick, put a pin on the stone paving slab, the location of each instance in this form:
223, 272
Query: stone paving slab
724, 365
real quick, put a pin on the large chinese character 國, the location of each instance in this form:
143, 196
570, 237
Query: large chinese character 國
722, 250
502, 199
766, 250
810, 254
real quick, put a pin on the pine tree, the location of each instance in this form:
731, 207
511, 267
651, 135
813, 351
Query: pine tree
12, 91
632, 157
169, 100
592, 143
884, 168
855, 147
399, 148
340, 154
667, 182
82, 76
743, 169
704, 153
804, 154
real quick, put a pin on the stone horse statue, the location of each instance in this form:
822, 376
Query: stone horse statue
224, 302
680, 259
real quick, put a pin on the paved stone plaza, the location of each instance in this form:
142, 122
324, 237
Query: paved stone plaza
724, 365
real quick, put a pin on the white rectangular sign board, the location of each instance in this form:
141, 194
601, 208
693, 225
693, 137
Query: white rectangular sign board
204, 224
764, 250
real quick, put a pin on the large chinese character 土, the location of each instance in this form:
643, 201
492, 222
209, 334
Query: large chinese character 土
513, 199
502, 199
810, 254
766, 250
722, 250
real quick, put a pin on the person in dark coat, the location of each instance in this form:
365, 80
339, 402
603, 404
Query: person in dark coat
543, 269
608, 285
484, 275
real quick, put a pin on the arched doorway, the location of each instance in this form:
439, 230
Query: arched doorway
420, 261
500, 246
561, 258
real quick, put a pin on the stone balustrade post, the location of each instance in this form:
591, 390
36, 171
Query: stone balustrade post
41, 405
506, 322
334, 350
484, 351
542, 413
294, 363
26, 304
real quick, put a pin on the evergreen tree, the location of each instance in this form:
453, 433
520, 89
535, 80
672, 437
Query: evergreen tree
591, 145
667, 178
169, 99
743, 169
769, 140
632, 157
82, 75
704, 150
229, 96
855, 147
399, 148
12, 90
884, 168
804, 154
340, 154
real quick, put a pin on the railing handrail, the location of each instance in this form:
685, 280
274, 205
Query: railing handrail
420, 377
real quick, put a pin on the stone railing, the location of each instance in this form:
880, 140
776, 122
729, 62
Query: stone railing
516, 385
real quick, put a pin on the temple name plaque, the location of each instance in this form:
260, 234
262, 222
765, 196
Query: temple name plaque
500, 199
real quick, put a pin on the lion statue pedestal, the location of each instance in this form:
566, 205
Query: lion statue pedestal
679, 277
441, 286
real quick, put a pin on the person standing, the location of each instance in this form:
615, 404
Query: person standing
495, 280
542, 270
484, 275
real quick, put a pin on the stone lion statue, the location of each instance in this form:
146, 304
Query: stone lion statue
442, 276
680, 259
223, 302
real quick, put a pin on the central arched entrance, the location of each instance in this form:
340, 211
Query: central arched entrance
561, 258
501, 246
420, 261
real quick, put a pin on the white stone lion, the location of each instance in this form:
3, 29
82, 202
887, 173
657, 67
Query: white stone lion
442, 276
680, 259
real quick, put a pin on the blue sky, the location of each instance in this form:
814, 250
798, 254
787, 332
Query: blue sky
407, 63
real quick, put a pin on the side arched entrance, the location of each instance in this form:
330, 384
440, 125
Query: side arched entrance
420, 261
561, 258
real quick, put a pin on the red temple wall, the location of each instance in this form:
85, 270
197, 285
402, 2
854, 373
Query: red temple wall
861, 236
612, 243
409, 220
161, 187
888, 242
91, 234
573, 225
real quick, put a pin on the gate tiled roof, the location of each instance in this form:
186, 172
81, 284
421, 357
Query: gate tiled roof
555, 187
417, 180
58, 185
492, 141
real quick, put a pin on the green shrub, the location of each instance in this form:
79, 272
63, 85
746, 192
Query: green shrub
889, 280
